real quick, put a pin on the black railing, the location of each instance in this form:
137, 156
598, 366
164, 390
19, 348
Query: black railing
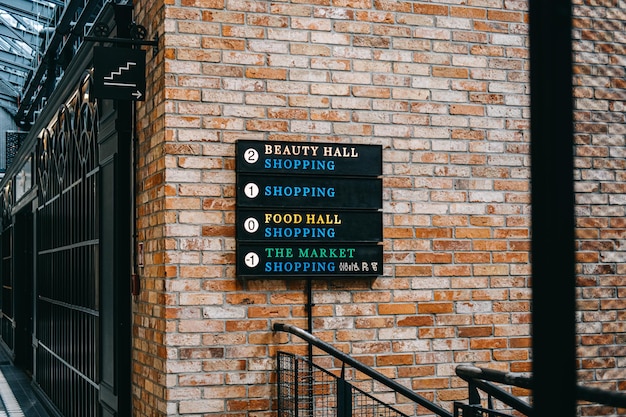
307, 390
478, 379
372, 373
483, 379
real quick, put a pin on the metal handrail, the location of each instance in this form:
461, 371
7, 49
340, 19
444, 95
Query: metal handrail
600, 396
473, 372
479, 377
331, 350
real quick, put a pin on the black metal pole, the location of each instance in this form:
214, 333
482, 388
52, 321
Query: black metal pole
553, 262
309, 311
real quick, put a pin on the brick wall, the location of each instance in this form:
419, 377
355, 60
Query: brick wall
443, 87
600, 53
153, 307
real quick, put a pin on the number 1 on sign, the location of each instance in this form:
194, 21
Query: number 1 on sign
251, 190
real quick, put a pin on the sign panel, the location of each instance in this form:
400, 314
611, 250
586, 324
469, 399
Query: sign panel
24, 179
308, 209
320, 159
281, 260
291, 191
309, 225
119, 73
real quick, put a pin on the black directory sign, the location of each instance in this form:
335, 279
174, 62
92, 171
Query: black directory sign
309, 225
310, 260
304, 191
318, 159
308, 209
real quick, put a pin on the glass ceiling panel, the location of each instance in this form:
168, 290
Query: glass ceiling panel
20, 24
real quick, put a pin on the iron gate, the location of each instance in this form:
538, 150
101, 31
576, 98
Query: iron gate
6, 300
67, 278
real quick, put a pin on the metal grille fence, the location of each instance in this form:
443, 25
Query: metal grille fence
6, 300
68, 242
306, 390
14, 141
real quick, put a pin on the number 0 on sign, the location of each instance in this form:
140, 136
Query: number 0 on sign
251, 225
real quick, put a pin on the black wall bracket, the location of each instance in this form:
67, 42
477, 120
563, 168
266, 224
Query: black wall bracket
138, 34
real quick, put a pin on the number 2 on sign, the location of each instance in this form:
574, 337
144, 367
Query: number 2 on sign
251, 156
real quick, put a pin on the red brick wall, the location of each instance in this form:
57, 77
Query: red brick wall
151, 309
600, 53
444, 88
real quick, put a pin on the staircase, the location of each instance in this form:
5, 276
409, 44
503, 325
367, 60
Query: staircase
307, 390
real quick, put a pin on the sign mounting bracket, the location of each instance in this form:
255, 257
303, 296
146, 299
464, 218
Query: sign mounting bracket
138, 35
153, 43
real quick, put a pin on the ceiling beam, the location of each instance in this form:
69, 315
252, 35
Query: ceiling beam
8, 98
17, 62
74, 11
16, 81
8, 32
33, 10
7, 89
